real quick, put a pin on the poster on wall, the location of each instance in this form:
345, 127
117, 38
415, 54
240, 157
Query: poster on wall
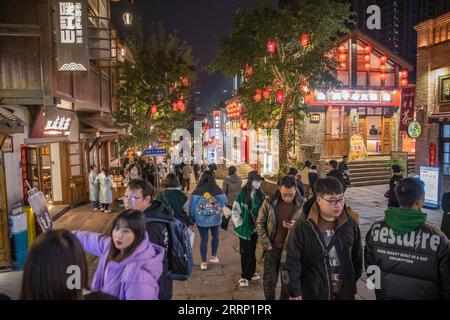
407, 108
358, 149
430, 176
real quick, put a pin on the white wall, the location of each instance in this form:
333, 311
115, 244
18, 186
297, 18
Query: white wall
13, 171
56, 172
74, 135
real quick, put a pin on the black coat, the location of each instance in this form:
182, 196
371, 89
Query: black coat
158, 233
305, 263
393, 203
338, 175
415, 266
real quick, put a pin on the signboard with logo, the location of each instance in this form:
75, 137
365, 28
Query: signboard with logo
345, 97
72, 53
358, 149
155, 152
407, 108
432, 155
216, 124
414, 129
52, 122
314, 117
7, 145
430, 176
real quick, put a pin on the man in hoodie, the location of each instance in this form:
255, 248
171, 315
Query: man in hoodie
139, 195
412, 256
333, 171
322, 258
275, 218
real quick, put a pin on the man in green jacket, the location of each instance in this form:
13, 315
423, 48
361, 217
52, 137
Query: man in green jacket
244, 213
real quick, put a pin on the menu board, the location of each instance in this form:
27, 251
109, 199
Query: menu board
430, 176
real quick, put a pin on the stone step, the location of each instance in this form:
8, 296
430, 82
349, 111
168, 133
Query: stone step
369, 183
369, 178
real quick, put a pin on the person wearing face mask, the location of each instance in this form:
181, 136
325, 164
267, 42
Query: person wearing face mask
244, 213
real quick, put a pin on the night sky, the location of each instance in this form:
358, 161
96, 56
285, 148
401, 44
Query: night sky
198, 22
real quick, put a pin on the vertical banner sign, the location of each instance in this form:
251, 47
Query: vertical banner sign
407, 108
23, 160
72, 53
432, 155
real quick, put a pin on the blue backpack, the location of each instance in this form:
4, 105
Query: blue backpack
179, 250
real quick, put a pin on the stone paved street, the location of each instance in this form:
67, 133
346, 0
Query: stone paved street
220, 281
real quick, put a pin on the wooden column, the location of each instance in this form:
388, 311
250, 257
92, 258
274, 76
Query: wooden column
46, 50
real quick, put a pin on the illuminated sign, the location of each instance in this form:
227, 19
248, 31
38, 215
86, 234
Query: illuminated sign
72, 45
315, 117
52, 122
216, 120
430, 176
354, 96
60, 124
414, 129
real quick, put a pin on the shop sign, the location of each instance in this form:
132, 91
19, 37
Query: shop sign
430, 176
72, 53
216, 117
357, 148
7, 145
24, 165
244, 124
432, 155
315, 117
354, 96
414, 130
52, 123
407, 108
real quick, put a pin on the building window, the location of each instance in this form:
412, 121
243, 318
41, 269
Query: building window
337, 122
446, 149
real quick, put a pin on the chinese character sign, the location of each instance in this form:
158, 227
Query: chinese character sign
72, 49
407, 108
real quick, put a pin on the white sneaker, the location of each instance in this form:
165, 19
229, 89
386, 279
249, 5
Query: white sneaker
102, 210
214, 259
243, 282
204, 266
255, 277
107, 211
95, 209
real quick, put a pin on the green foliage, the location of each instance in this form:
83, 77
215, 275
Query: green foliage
153, 78
399, 162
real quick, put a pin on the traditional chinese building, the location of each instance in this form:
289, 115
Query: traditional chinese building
362, 116
433, 99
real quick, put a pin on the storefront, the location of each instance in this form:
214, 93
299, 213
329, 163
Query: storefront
361, 117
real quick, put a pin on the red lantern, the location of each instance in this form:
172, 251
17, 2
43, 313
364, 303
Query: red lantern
341, 49
342, 57
383, 76
161, 137
183, 108
248, 71
271, 46
367, 58
154, 109
184, 81
383, 68
266, 93
383, 59
280, 96
367, 49
367, 66
305, 39
180, 104
343, 66
404, 74
404, 83
174, 106
257, 97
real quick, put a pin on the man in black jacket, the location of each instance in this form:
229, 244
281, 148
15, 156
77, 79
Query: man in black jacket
139, 196
412, 256
332, 166
322, 258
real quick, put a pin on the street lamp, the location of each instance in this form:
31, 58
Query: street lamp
127, 19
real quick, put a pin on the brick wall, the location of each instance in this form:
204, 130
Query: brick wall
313, 133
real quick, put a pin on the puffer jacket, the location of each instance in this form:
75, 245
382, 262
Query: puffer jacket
231, 187
414, 266
305, 264
266, 223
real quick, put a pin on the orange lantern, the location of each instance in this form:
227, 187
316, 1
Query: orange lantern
271, 46
383, 59
404, 74
174, 106
185, 81
367, 49
280, 96
305, 39
266, 93
153, 109
383, 76
404, 83
383, 68
343, 66
367, 57
342, 57
367, 66
341, 49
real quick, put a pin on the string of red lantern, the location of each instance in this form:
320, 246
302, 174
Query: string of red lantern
271, 46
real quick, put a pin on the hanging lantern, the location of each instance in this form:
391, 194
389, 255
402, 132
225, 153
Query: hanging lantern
180, 104
266, 93
383, 59
280, 96
404, 83
257, 98
367, 66
383, 68
367, 49
161, 137
343, 66
248, 71
383, 76
342, 57
342, 49
174, 106
184, 81
305, 39
404, 74
127, 19
271, 46
183, 107
367, 57
153, 109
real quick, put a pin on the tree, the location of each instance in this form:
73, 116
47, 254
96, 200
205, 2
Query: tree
158, 88
304, 59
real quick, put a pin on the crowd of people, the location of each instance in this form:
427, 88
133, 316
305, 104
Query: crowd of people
308, 237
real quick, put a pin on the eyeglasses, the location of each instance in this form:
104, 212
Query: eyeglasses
132, 198
288, 195
336, 202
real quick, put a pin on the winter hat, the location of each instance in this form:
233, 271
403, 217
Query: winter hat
254, 175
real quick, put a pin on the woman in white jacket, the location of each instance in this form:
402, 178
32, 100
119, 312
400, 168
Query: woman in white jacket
93, 188
106, 184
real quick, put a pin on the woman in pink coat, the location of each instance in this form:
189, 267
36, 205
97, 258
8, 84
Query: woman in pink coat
130, 265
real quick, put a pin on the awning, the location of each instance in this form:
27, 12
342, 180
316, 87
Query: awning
443, 117
104, 123
9, 122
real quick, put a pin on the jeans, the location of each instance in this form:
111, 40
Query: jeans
204, 241
247, 250
272, 260
94, 204
105, 206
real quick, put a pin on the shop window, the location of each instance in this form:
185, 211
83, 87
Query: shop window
342, 76
362, 79
337, 123
75, 159
390, 80
375, 79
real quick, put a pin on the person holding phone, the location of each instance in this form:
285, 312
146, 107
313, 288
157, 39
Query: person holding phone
276, 217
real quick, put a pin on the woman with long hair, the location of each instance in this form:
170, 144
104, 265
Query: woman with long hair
106, 182
244, 214
130, 265
174, 198
206, 210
